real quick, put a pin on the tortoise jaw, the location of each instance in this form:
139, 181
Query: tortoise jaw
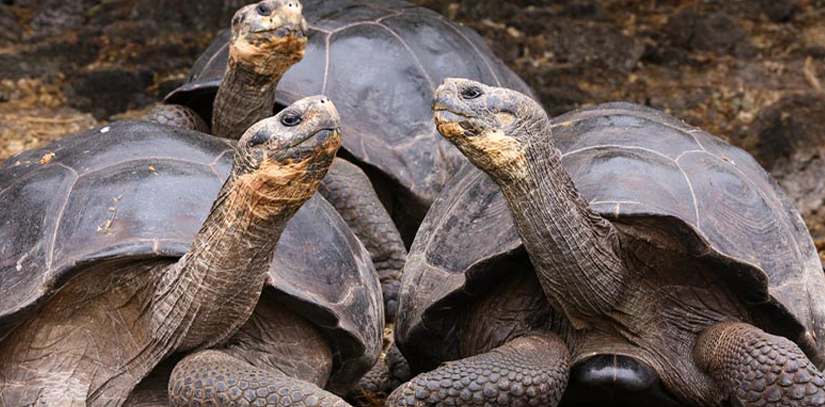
443, 115
280, 33
324, 142
450, 124
289, 39
322, 137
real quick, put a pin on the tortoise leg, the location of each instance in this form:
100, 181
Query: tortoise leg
215, 378
177, 116
349, 190
758, 369
529, 370
390, 371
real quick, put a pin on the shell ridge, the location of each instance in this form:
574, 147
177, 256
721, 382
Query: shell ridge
393, 15
146, 158
609, 201
443, 219
316, 28
765, 197
693, 201
214, 163
326, 63
689, 152
351, 25
593, 114
407, 47
212, 58
692, 133
618, 146
53, 239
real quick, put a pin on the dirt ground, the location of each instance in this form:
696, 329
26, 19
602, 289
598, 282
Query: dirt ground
749, 71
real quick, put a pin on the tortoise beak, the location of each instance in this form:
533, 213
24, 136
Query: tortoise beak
447, 115
447, 103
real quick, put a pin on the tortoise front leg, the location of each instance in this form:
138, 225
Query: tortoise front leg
758, 369
529, 370
349, 190
212, 377
177, 116
390, 372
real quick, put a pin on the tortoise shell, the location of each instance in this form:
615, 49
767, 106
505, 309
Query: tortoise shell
633, 164
141, 190
380, 62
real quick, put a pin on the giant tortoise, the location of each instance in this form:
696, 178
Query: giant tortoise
111, 262
379, 61
266, 39
616, 247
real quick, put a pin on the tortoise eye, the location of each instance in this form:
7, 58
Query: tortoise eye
291, 119
263, 10
471, 93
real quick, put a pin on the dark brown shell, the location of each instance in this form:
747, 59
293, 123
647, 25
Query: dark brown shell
379, 62
142, 190
631, 163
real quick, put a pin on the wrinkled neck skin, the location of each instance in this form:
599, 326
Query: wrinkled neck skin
247, 92
205, 297
573, 249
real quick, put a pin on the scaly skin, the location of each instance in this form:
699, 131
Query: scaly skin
375, 386
759, 369
214, 377
529, 370
177, 116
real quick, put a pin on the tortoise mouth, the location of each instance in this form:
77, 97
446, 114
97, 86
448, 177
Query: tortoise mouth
280, 32
446, 116
453, 125
317, 138
324, 142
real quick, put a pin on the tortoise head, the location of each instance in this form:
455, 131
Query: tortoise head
268, 35
491, 126
285, 156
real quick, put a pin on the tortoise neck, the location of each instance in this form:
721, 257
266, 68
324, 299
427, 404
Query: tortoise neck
245, 96
573, 249
214, 288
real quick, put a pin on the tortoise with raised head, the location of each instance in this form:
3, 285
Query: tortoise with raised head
265, 40
380, 62
613, 247
112, 262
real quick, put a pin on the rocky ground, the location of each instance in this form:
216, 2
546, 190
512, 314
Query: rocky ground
750, 71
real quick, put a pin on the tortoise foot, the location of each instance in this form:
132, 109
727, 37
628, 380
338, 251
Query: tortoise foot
758, 369
530, 370
212, 377
389, 373
177, 116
